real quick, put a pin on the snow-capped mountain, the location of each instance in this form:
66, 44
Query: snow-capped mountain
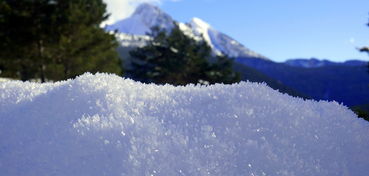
220, 42
141, 21
132, 31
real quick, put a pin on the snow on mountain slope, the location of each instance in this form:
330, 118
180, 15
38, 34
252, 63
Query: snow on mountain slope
106, 125
221, 42
127, 40
142, 20
147, 16
201, 28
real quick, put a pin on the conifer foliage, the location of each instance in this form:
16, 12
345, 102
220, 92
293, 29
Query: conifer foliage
175, 58
55, 39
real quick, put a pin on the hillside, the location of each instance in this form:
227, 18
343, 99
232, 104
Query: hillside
342, 83
315, 63
250, 74
106, 125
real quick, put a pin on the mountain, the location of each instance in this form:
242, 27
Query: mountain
218, 41
132, 33
314, 63
318, 79
142, 20
344, 83
250, 74
146, 16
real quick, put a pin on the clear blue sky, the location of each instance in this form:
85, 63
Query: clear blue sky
283, 29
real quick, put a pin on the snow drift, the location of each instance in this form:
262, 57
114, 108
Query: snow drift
106, 125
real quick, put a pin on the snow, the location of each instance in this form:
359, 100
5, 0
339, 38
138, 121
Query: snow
106, 125
201, 28
142, 20
4, 79
219, 42
128, 40
147, 16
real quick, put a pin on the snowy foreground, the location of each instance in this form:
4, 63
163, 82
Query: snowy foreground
105, 125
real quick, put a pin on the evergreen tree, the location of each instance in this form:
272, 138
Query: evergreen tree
83, 45
175, 58
55, 39
222, 71
20, 24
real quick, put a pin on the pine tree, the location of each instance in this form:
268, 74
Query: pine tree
55, 39
83, 45
19, 32
222, 71
175, 58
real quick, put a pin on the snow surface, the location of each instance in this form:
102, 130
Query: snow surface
4, 79
106, 125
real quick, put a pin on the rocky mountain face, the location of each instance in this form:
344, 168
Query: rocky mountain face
133, 31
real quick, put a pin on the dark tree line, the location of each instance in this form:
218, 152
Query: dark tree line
51, 40
55, 39
175, 58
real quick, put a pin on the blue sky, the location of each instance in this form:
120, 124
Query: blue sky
283, 29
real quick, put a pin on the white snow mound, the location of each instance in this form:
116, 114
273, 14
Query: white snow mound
106, 125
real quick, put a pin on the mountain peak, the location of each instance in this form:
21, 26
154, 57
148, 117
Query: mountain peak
199, 23
148, 15
142, 20
146, 8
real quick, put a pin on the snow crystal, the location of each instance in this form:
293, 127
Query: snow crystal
106, 125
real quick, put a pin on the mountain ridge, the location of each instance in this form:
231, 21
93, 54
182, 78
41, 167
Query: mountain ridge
341, 83
313, 78
147, 16
315, 63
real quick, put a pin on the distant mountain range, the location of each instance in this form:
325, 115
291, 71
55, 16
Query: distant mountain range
315, 63
346, 82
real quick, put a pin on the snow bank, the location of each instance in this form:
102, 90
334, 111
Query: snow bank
105, 125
